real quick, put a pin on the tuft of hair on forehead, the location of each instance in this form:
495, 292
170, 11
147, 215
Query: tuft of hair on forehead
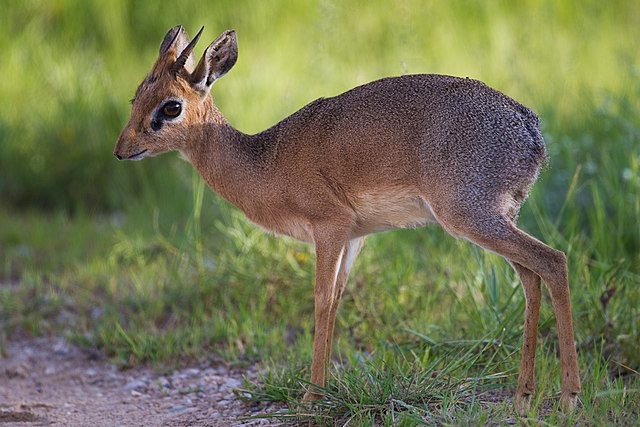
149, 80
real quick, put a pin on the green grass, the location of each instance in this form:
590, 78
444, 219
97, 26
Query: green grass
143, 263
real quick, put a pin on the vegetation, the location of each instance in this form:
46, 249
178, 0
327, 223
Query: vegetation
144, 263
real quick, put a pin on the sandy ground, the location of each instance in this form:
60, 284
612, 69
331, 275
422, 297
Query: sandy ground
47, 381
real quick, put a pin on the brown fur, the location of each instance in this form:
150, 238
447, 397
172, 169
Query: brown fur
394, 153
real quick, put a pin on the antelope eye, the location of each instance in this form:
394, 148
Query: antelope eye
171, 109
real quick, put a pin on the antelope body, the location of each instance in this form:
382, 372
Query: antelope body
395, 153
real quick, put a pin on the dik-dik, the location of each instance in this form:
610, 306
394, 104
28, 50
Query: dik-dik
395, 153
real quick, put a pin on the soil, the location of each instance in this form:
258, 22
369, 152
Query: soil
48, 381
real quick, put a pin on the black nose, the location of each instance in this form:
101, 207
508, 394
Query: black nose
118, 156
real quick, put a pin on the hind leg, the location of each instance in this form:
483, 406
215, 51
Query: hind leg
526, 379
499, 234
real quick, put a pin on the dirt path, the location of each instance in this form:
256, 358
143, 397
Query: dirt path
48, 381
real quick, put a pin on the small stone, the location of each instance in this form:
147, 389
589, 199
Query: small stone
192, 372
96, 313
232, 383
177, 408
61, 348
19, 371
136, 385
163, 382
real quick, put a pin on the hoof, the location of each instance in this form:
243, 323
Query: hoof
310, 396
523, 403
569, 402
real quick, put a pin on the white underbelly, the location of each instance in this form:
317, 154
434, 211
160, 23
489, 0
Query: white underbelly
389, 209
375, 211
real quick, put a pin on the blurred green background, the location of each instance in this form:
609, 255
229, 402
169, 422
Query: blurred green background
139, 260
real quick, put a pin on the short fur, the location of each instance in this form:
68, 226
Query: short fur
395, 153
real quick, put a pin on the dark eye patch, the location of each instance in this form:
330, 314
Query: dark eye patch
169, 110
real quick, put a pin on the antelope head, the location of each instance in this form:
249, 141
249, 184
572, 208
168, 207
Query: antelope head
175, 94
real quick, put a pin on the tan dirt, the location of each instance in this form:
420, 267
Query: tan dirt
48, 381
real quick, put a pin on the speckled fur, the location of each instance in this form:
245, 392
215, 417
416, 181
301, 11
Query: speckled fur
398, 152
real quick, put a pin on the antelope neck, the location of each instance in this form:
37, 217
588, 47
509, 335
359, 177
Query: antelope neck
232, 162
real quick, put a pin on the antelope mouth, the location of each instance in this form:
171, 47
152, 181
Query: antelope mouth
138, 156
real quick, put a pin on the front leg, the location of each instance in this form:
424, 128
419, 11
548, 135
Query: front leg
330, 246
349, 255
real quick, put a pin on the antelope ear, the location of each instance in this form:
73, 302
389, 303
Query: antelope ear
176, 46
217, 60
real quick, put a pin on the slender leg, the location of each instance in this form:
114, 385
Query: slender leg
561, 300
330, 247
551, 266
526, 379
351, 251
500, 235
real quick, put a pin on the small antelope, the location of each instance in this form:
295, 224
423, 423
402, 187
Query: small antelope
395, 153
